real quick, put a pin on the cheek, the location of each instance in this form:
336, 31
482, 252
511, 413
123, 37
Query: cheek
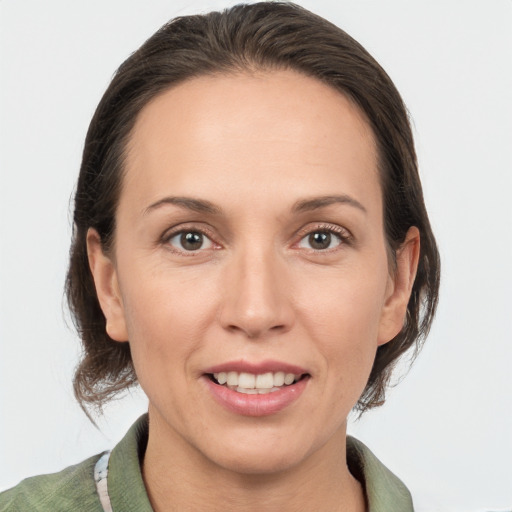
345, 306
166, 317
166, 299
343, 317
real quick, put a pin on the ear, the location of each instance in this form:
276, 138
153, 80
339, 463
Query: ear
107, 288
399, 287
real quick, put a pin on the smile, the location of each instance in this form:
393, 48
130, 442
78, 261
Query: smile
256, 389
255, 384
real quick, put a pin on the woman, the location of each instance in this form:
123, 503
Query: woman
252, 247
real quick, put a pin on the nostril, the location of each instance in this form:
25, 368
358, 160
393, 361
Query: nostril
254, 331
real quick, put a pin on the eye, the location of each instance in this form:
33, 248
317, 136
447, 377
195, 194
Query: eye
190, 241
320, 240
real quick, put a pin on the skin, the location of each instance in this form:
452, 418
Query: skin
254, 146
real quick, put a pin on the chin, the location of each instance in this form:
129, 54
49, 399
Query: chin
258, 462
259, 453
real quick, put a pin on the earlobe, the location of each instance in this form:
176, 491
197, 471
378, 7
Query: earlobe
107, 288
401, 283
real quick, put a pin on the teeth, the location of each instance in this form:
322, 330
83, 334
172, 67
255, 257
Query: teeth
232, 379
278, 379
247, 391
264, 381
254, 391
289, 378
249, 383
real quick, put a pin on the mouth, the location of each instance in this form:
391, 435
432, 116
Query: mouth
256, 389
256, 384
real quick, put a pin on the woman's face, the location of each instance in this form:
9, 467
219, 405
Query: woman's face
250, 247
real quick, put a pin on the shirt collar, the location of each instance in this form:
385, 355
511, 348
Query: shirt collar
384, 491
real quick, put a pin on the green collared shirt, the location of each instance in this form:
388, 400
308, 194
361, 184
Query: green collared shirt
74, 488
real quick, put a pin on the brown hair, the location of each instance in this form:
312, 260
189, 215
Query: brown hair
266, 36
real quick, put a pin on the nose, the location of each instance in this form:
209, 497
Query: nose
257, 301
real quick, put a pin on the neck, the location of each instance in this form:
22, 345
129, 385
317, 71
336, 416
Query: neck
179, 478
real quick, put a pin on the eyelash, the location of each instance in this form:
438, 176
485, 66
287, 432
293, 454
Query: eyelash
168, 236
342, 234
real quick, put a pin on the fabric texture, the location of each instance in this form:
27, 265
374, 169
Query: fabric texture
74, 488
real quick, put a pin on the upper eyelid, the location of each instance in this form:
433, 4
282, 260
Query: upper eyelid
190, 227
212, 234
171, 233
346, 239
324, 226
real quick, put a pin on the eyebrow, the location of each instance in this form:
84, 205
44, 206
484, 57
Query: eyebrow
304, 205
196, 205
323, 201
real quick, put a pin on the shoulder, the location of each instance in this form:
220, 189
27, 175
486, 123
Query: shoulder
74, 488
71, 489
385, 492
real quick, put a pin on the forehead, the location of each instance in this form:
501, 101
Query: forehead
244, 131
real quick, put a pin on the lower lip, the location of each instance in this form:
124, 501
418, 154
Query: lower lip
256, 405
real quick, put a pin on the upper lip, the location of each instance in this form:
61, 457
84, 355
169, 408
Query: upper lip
256, 368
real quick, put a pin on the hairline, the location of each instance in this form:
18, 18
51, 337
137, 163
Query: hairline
251, 68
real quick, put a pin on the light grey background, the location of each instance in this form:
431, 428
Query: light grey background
447, 428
